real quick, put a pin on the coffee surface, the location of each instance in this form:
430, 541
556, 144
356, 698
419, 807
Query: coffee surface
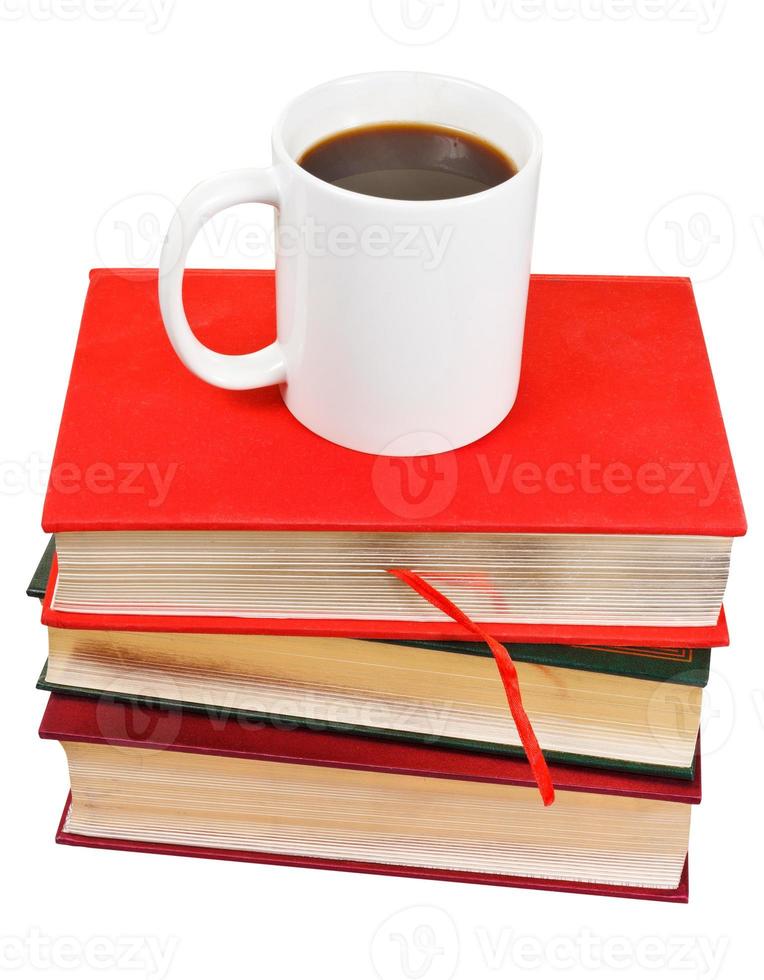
408, 162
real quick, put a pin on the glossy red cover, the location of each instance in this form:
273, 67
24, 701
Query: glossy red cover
75, 719
679, 894
668, 637
616, 428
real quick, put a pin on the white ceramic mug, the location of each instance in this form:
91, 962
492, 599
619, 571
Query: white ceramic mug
399, 323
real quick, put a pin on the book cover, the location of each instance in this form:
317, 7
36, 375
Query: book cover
616, 428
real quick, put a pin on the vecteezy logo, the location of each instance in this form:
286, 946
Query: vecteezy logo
718, 717
673, 708
121, 722
418, 943
131, 233
418, 485
692, 235
415, 21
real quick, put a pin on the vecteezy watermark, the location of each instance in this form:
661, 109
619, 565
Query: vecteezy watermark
674, 707
141, 956
428, 21
593, 477
692, 235
717, 720
420, 486
131, 233
706, 14
417, 943
19, 476
693, 956
153, 14
415, 21
424, 243
125, 479
757, 701
34, 474
277, 702
757, 222
422, 942
121, 722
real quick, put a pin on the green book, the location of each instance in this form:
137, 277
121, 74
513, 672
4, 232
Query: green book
39, 583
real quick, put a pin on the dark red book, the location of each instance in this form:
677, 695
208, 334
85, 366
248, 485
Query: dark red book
119, 743
678, 895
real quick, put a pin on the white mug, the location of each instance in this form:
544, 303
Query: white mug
399, 323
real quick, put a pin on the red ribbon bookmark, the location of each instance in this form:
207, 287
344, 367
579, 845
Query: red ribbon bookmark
506, 670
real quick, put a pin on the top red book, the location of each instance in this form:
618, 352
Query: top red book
607, 497
616, 428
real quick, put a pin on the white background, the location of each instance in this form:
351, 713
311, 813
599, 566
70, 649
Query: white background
651, 112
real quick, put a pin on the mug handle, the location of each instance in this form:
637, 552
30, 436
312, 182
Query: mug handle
234, 371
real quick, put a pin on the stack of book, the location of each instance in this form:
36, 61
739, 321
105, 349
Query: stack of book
235, 672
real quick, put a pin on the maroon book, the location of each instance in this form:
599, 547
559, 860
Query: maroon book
72, 719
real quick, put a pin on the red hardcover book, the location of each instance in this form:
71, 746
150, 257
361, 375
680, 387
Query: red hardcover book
616, 432
615, 371
611, 477
76, 720
677, 895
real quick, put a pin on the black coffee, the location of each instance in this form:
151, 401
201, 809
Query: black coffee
408, 162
